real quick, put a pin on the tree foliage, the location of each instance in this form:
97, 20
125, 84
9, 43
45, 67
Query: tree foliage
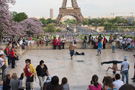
49, 28
18, 17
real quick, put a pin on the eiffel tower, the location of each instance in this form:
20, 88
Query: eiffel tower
74, 11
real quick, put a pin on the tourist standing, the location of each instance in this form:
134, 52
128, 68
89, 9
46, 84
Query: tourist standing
29, 74
85, 42
8, 52
54, 85
90, 38
21, 82
54, 43
47, 40
118, 83
43, 40
63, 41
14, 82
124, 69
100, 38
38, 41
74, 42
13, 57
2, 65
59, 43
110, 39
104, 42
6, 83
113, 46
42, 71
99, 50
71, 49
134, 72
95, 85
64, 84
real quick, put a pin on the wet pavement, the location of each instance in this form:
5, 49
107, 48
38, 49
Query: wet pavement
79, 70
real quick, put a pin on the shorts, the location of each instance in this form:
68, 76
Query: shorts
99, 50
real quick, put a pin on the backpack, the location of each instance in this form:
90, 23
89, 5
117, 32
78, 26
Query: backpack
5, 51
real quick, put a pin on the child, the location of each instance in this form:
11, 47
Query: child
99, 48
113, 46
64, 84
20, 82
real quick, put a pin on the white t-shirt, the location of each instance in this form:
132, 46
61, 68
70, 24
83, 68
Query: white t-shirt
129, 40
1, 52
125, 65
118, 84
63, 39
1, 62
120, 38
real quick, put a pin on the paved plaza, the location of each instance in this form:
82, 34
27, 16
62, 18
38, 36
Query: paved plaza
79, 70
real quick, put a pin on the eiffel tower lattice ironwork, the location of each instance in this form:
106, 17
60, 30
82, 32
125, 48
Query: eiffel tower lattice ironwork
74, 11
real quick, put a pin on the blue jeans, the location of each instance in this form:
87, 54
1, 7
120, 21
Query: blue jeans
113, 48
125, 73
71, 53
85, 45
3, 73
47, 43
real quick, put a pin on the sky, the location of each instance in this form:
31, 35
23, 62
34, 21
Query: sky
92, 8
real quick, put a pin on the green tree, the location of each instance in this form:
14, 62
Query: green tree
49, 28
18, 17
58, 30
108, 26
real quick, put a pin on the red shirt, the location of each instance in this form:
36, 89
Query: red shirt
12, 54
55, 41
104, 42
8, 49
27, 71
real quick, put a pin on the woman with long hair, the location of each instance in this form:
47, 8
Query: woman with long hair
6, 83
94, 83
108, 83
14, 82
85, 42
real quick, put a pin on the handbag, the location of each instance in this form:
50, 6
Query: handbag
4, 66
29, 79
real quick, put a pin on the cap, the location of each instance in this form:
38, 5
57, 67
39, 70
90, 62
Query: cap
125, 57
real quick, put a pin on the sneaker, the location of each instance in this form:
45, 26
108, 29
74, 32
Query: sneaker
133, 78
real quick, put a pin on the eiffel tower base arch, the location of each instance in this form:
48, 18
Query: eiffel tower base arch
75, 12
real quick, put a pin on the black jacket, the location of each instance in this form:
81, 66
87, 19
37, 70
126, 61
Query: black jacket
41, 71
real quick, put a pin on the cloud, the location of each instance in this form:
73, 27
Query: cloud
88, 7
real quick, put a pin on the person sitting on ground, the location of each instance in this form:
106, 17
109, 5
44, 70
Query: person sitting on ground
6, 83
77, 53
64, 84
14, 82
127, 87
94, 84
54, 85
108, 83
114, 66
118, 83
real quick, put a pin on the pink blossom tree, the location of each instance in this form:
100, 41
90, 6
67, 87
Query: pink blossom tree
8, 27
33, 25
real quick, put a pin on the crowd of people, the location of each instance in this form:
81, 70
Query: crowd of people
8, 57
